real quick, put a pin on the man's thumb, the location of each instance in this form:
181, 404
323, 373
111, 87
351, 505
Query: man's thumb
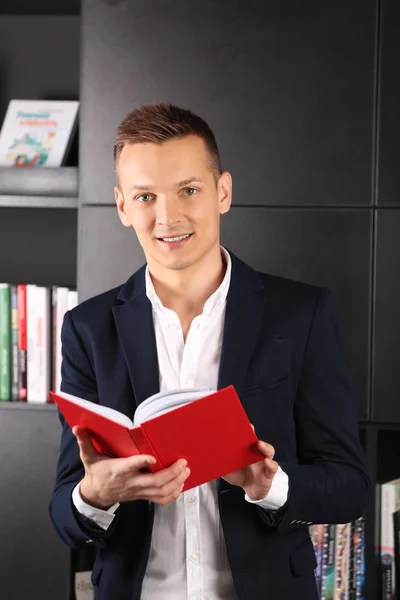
87, 450
141, 461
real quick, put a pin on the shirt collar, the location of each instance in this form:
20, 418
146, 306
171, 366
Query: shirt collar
218, 297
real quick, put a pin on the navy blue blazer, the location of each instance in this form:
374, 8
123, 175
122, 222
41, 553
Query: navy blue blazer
282, 352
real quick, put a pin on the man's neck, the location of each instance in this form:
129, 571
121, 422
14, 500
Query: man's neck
186, 291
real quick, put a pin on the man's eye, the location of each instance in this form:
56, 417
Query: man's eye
144, 198
190, 191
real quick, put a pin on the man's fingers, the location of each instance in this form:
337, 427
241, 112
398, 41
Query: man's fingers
87, 451
166, 475
139, 461
165, 482
271, 466
266, 449
171, 488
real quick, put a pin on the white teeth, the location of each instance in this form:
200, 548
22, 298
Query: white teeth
175, 239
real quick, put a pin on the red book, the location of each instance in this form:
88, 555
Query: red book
22, 342
213, 432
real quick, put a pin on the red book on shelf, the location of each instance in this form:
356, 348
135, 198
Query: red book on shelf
22, 342
212, 433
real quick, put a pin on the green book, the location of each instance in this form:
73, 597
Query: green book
5, 342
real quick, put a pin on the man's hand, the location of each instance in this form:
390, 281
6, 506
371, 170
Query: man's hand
110, 480
256, 479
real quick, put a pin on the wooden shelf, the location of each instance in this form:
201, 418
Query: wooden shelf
11, 201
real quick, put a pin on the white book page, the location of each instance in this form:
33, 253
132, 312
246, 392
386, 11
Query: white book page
154, 406
164, 402
105, 411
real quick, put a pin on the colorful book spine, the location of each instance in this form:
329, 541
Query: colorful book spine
328, 567
14, 344
31, 342
360, 559
5, 342
318, 532
342, 561
54, 340
43, 344
388, 507
396, 528
22, 344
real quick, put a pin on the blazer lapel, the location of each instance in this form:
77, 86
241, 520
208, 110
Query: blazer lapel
134, 322
245, 309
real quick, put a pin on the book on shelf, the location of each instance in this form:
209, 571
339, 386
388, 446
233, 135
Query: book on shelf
396, 529
189, 424
340, 554
328, 564
342, 561
357, 560
5, 342
30, 324
37, 133
390, 504
317, 535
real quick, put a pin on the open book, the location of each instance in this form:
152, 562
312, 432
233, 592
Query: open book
209, 429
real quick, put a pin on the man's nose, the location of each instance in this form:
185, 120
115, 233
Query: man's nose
168, 211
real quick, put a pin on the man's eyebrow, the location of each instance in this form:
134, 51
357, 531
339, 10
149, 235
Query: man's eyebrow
147, 188
187, 181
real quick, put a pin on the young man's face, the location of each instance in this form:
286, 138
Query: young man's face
169, 195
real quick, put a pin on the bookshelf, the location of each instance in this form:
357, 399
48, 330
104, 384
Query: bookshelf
38, 244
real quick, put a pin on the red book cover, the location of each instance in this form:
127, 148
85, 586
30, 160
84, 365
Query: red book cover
212, 433
22, 342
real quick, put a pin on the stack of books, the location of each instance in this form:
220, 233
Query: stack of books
340, 554
31, 317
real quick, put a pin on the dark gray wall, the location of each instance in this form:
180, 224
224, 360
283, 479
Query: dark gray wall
389, 102
288, 89
286, 86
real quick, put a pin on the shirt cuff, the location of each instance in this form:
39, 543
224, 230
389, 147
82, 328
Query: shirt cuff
277, 495
102, 518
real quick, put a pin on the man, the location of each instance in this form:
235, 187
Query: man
196, 316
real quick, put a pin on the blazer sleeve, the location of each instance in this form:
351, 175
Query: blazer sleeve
329, 483
78, 378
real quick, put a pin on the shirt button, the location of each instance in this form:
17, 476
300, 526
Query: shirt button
193, 557
192, 499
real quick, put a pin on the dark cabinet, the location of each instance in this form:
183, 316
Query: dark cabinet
388, 106
286, 86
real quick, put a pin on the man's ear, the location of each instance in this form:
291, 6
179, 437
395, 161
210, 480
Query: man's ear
120, 201
224, 192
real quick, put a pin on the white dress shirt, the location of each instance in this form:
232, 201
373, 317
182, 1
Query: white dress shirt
188, 558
